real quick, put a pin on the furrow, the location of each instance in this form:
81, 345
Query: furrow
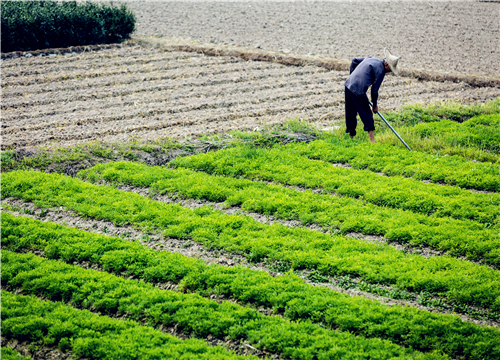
83, 64
154, 121
125, 78
107, 89
25, 83
192, 313
165, 104
452, 171
94, 334
178, 91
244, 193
158, 242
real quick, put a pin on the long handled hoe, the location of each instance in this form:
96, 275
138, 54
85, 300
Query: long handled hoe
394, 131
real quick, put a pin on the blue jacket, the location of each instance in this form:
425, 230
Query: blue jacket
365, 72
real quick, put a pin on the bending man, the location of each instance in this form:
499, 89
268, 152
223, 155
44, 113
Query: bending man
365, 72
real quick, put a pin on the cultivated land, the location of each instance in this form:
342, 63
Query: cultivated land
282, 242
456, 36
144, 93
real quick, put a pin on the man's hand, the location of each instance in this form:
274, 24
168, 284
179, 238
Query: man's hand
375, 109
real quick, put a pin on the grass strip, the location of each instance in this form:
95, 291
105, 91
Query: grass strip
457, 280
481, 132
457, 237
391, 160
287, 295
372, 212
429, 199
413, 114
191, 313
88, 335
292, 164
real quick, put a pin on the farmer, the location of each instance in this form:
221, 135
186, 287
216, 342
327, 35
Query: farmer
363, 73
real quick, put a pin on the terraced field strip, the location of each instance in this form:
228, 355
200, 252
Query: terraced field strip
391, 160
331, 211
89, 335
297, 300
190, 312
455, 280
146, 93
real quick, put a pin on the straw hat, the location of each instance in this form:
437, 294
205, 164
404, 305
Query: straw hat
392, 61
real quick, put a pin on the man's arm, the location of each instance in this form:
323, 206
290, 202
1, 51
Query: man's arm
355, 62
375, 87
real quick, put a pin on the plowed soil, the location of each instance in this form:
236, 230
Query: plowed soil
136, 92
452, 36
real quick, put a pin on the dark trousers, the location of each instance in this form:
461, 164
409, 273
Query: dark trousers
357, 105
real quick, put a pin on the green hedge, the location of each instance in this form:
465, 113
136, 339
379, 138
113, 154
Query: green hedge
30, 25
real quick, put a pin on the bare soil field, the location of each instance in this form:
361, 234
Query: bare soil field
457, 36
144, 93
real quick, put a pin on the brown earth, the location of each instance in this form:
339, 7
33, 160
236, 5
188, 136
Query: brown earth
146, 93
456, 36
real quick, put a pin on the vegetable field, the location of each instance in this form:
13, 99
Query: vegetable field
328, 249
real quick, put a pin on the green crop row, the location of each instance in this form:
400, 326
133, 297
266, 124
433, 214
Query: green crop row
88, 335
296, 301
413, 114
396, 192
458, 280
482, 132
459, 237
189, 313
391, 160
296, 164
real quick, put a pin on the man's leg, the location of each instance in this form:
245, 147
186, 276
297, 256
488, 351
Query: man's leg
350, 113
366, 115
372, 135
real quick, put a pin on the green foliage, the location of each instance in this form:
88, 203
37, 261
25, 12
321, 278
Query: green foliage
414, 114
192, 313
482, 132
88, 335
29, 25
457, 280
370, 212
296, 301
451, 170
470, 146
10, 354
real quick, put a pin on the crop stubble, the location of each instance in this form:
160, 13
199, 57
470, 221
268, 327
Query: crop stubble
118, 94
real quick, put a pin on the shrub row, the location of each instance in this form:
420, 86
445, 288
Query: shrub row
297, 301
189, 313
457, 237
31, 25
88, 335
457, 280
391, 160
